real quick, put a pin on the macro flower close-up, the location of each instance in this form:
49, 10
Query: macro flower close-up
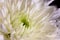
26, 20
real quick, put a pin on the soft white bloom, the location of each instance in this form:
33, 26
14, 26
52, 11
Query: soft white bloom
26, 20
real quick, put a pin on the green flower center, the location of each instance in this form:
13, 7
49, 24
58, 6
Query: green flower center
24, 18
25, 22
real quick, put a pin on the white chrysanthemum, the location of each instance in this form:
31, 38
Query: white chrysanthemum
26, 20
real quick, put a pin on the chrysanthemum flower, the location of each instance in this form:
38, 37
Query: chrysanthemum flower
26, 20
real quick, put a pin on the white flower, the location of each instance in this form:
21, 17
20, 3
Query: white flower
26, 20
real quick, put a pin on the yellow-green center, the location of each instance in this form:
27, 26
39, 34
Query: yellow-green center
25, 22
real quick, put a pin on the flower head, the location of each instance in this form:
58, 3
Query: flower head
26, 20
